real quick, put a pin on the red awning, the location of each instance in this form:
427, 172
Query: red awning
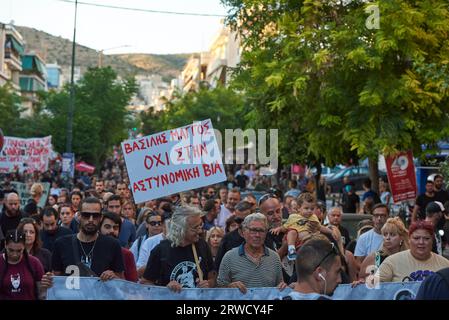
84, 167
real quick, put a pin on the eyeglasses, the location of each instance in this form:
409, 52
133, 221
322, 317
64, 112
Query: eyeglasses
87, 215
256, 230
155, 223
333, 250
266, 197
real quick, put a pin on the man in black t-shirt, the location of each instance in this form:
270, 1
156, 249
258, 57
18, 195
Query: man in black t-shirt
419, 211
11, 214
441, 195
350, 202
94, 254
184, 259
242, 179
335, 216
51, 231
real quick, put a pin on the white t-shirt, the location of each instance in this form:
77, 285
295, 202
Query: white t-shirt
222, 217
402, 266
307, 296
146, 247
368, 243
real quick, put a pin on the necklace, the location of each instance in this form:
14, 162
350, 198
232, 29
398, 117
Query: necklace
88, 261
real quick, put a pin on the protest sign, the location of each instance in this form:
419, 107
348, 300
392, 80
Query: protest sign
173, 161
68, 164
401, 176
25, 155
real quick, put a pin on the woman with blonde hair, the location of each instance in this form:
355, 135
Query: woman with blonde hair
213, 238
396, 239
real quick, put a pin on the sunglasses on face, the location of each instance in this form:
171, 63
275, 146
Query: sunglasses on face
333, 251
87, 215
155, 223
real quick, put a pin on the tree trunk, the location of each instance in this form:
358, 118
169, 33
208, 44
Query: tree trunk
374, 173
317, 177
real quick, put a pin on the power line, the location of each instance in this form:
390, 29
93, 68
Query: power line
145, 10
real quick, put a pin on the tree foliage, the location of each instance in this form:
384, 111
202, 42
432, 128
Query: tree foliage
99, 120
223, 106
338, 90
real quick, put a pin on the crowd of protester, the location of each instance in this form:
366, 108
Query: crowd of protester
217, 236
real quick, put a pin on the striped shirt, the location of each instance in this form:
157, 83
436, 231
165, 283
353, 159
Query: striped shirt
237, 266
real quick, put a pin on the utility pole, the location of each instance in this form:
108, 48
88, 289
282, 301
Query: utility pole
72, 90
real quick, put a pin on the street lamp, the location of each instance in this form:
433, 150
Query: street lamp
72, 91
100, 53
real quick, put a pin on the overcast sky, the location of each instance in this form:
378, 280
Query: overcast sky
103, 28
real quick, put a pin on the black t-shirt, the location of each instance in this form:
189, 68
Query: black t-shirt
9, 223
241, 180
422, 201
442, 196
169, 263
349, 203
106, 255
234, 239
48, 240
345, 235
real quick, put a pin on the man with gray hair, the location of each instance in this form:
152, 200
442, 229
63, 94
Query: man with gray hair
334, 216
183, 260
251, 264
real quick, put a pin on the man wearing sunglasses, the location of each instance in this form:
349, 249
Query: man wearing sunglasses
94, 254
318, 269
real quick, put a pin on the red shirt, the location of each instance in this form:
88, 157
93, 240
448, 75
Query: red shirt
18, 282
130, 265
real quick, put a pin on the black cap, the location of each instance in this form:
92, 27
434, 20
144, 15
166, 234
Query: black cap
434, 207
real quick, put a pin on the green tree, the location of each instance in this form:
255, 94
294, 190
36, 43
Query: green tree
223, 106
99, 118
337, 89
9, 110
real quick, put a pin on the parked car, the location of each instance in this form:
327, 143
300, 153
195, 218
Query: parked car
356, 175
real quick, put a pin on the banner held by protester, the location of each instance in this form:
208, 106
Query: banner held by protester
401, 176
83, 288
25, 155
173, 161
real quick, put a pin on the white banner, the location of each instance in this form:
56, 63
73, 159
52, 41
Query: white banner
81, 288
25, 155
173, 161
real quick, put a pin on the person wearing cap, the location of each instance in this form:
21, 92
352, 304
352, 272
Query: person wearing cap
362, 227
211, 214
434, 214
418, 262
419, 210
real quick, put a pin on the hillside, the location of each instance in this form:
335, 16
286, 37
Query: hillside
58, 49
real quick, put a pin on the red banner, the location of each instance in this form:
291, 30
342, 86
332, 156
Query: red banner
84, 167
401, 175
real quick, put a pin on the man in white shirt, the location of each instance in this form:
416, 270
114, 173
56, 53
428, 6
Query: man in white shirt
372, 240
228, 209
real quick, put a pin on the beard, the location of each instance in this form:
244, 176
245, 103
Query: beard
89, 229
